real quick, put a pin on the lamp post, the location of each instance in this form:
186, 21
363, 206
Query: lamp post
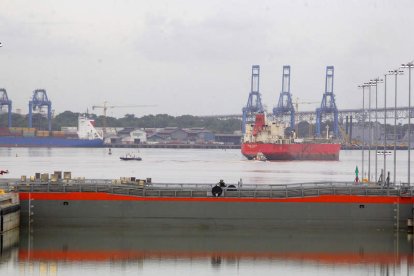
395, 72
375, 82
385, 131
363, 127
409, 65
369, 84
370, 131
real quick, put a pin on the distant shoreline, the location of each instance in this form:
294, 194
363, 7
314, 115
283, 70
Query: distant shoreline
216, 146
174, 146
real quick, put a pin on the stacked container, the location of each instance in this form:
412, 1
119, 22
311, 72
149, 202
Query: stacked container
29, 132
42, 133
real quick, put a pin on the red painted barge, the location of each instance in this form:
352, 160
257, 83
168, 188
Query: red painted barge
294, 206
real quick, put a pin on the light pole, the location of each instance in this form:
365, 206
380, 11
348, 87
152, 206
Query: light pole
375, 82
395, 72
363, 127
370, 132
385, 131
409, 65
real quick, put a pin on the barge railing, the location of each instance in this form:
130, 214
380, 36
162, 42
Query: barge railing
197, 190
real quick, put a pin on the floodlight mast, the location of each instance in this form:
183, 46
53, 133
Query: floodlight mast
395, 72
409, 65
374, 82
363, 127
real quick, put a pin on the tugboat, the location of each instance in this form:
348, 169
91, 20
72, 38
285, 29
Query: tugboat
268, 138
260, 157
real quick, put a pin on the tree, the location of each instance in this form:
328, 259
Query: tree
70, 119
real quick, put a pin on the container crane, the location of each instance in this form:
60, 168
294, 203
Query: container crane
254, 102
38, 101
285, 106
105, 108
5, 101
328, 105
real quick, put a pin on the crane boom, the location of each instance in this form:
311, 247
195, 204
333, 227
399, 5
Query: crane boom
297, 102
105, 108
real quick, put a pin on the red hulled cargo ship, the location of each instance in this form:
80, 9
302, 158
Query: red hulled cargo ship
267, 140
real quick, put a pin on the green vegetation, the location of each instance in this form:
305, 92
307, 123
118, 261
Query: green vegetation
70, 119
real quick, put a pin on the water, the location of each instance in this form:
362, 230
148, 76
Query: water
188, 165
181, 251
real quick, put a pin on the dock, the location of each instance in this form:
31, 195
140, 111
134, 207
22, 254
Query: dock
174, 146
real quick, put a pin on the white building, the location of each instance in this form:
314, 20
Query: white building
135, 137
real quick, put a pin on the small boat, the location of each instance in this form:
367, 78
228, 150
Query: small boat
4, 172
381, 152
260, 157
130, 157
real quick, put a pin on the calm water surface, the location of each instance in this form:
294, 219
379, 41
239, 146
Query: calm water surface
180, 251
189, 165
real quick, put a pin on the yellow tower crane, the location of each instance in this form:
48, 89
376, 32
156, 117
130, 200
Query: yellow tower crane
297, 102
105, 108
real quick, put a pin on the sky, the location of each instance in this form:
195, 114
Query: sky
194, 57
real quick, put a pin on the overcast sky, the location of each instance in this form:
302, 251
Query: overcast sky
195, 57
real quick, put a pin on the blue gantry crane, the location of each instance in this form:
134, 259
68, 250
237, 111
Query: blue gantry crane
328, 105
254, 103
285, 105
4, 101
40, 100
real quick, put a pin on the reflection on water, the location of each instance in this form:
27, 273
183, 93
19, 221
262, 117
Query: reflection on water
66, 251
71, 251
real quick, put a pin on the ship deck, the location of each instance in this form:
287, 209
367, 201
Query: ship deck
204, 190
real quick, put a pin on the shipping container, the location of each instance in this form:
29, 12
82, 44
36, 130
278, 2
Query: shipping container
58, 134
28, 134
42, 133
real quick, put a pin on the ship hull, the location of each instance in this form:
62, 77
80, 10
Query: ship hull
318, 212
21, 141
303, 151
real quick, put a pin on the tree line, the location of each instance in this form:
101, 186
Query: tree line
70, 119
216, 125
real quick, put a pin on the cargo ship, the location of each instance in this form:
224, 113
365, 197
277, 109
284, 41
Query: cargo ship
269, 139
141, 203
86, 136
